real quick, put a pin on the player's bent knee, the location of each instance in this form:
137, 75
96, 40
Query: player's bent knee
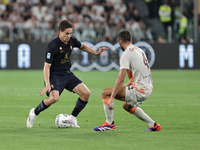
106, 92
129, 108
126, 107
85, 96
54, 99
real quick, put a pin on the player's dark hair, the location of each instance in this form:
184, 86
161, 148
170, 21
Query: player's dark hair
125, 36
65, 24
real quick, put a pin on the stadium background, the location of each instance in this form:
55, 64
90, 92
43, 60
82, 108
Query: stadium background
174, 102
167, 56
28, 25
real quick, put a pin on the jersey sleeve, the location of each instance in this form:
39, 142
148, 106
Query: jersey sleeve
49, 54
124, 61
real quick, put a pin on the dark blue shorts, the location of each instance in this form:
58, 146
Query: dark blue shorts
60, 82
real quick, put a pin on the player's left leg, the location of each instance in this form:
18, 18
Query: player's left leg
106, 93
84, 93
34, 112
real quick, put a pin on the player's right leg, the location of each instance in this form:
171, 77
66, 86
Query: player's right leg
140, 114
131, 105
106, 93
34, 112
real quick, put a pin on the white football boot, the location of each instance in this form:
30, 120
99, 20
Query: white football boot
73, 121
31, 118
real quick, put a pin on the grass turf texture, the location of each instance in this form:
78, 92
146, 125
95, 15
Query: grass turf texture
174, 103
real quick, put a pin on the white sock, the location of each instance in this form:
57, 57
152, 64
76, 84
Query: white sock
139, 113
108, 113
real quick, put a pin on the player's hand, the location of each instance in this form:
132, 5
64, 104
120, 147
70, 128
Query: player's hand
109, 105
47, 88
101, 50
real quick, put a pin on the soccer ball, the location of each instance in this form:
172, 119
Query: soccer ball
62, 121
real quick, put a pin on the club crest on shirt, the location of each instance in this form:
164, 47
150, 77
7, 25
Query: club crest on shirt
71, 47
61, 50
48, 55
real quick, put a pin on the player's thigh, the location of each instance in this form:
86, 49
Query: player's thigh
134, 97
57, 83
53, 98
121, 93
106, 93
54, 95
82, 90
72, 83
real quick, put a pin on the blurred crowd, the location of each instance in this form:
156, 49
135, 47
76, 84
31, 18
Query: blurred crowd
93, 20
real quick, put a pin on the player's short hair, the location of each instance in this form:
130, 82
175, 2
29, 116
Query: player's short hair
65, 24
125, 36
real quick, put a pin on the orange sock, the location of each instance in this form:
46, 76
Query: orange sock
105, 101
132, 111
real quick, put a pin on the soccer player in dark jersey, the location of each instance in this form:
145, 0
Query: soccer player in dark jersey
57, 74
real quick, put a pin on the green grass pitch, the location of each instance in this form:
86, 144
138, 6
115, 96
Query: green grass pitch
174, 103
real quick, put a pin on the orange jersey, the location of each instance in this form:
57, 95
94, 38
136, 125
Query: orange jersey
139, 73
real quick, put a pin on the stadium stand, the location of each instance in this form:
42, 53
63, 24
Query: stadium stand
94, 21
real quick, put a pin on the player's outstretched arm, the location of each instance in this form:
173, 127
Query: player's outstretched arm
90, 50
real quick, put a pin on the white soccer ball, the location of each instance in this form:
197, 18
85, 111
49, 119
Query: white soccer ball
62, 121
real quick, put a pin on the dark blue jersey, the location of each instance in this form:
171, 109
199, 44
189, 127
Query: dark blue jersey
58, 54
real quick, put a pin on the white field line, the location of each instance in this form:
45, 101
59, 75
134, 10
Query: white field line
170, 105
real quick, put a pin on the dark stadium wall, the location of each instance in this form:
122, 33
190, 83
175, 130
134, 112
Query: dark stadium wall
176, 56
161, 56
